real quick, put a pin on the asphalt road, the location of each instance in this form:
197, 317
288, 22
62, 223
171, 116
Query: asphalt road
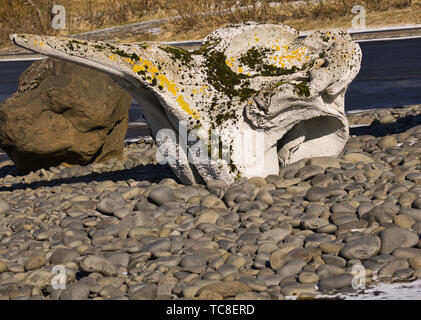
390, 76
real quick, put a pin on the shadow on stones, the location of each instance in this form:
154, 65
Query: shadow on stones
8, 170
378, 129
150, 172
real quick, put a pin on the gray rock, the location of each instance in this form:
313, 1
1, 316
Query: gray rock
412, 212
336, 282
141, 232
143, 219
143, 292
317, 193
395, 237
158, 245
277, 234
314, 223
270, 279
391, 267
324, 162
35, 262
4, 206
3, 266
291, 268
315, 239
168, 262
308, 277
193, 263
63, 255
110, 204
299, 288
98, 264
334, 260
161, 195
75, 291
118, 258
38, 278
188, 192
251, 296
362, 247
403, 274
227, 269
122, 212
342, 207
309, 172
387, 141
405, 253
217, 187
329, 270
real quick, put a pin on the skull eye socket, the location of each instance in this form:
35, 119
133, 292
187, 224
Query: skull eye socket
316, 137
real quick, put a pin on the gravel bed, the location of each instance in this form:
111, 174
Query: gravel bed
127, 229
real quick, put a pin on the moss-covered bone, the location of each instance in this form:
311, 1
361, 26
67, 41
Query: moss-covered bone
245, 77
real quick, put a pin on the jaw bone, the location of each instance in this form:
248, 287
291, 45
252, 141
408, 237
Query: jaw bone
250, 82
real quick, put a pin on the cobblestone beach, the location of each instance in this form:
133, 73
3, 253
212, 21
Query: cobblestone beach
127, 229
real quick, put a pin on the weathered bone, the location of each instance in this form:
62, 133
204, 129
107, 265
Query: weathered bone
243, 78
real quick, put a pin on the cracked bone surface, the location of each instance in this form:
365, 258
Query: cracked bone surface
252, 98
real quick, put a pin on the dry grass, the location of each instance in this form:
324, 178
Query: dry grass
306, 15
34, 16
88, 15
198, 17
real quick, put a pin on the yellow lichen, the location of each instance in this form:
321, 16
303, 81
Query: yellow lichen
171, 86
186, 107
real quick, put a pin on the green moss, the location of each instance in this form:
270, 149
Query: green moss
110, 46
197, 126
223, 78
325, 38
70, 45
143, 45
221, 117
274, 71
179, 54
234, 170
206, 47
253, 58
121, 53
280, 83
134, 57
246, 93
78, 42
302, 89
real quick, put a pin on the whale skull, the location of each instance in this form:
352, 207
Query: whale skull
251, 83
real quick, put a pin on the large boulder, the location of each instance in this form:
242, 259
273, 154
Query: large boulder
252, 98
63, 113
